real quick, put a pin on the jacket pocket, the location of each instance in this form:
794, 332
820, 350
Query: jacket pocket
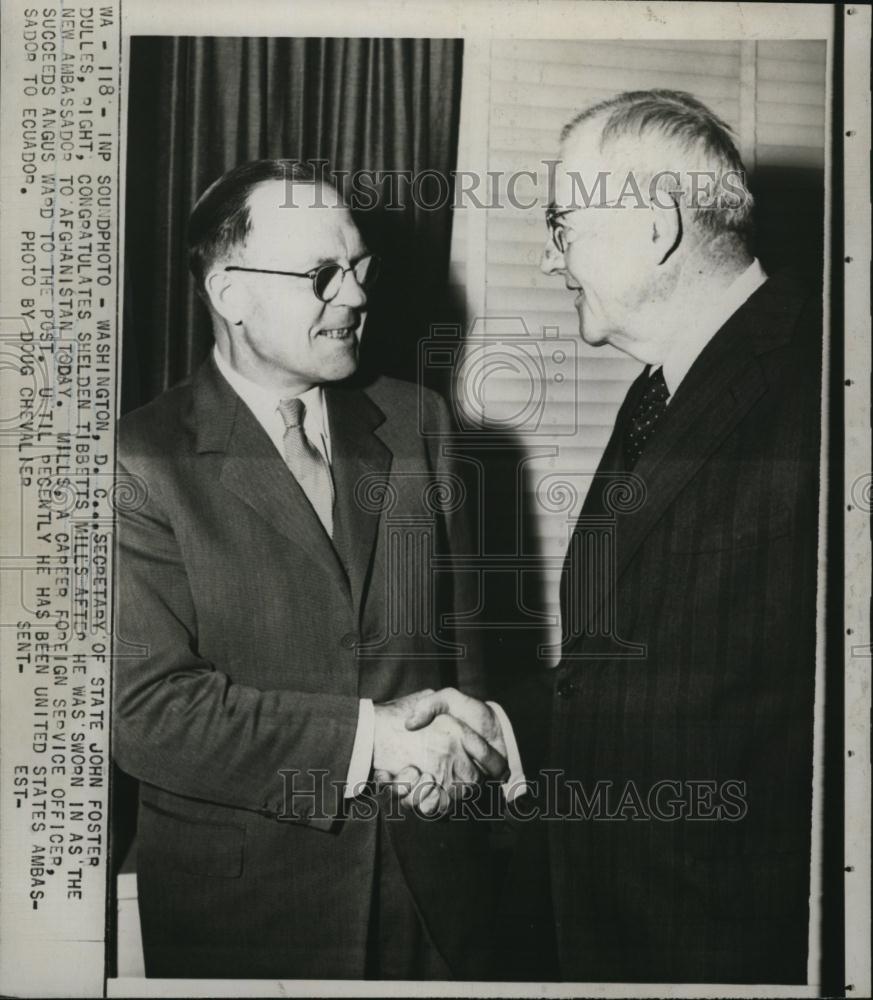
194, 847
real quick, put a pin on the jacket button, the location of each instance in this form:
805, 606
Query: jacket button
349, 640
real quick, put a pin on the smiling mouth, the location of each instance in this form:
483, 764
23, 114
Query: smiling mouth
341, 333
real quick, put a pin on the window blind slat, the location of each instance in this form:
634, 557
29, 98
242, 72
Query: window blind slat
612, 78
789, 71
786, 51
786, 134
787, 113
620, 55
775, 92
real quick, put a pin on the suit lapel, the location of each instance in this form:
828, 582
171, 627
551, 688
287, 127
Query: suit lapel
254, 471
721, 387
361, 465
695, 424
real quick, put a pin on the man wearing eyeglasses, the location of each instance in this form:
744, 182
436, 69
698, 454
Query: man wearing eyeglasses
677, 729
261, 680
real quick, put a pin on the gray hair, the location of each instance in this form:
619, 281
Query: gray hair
688, 125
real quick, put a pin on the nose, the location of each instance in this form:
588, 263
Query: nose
351, 294
552, 260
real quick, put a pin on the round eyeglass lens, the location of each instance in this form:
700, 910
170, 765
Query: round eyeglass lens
329, 278
328, 281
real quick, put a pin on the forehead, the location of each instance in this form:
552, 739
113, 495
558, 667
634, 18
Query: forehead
581, 163
588, 168
300, 223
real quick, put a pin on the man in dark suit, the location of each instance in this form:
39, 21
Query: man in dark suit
679, 720
264, 662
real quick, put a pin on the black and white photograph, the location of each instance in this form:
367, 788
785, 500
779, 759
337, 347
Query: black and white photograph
476, 577
289, 616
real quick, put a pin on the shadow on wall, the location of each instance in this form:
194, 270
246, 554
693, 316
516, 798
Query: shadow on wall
789, 215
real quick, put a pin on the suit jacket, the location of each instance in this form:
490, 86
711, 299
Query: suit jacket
691, 661
237, 681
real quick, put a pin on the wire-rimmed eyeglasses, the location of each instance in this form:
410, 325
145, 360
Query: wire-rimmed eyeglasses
557, 232
327, 279
557, 227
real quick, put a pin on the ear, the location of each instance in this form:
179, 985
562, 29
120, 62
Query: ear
226, 296
667, 227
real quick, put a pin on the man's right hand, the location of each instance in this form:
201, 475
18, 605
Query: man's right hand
448, 754
475, 714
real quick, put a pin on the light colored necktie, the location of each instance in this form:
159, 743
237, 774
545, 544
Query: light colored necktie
308, 466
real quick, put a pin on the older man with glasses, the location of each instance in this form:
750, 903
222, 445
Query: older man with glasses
676, 733
261, 682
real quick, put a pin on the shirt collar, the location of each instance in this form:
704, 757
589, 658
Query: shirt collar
264, 403
685, 352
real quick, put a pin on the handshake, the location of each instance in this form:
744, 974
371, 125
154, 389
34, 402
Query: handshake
432, 747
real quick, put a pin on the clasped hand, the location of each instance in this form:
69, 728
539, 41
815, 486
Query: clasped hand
434, 746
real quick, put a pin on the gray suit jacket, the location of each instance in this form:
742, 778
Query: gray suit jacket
238, 677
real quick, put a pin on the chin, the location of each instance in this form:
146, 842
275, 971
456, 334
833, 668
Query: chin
336, 360
591, 333
343, 368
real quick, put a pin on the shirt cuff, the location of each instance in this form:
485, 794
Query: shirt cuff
362, 750
516, 784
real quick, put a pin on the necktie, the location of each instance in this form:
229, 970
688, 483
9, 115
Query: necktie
306, 462
645, 417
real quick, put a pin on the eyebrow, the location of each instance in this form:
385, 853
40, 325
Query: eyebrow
321, 261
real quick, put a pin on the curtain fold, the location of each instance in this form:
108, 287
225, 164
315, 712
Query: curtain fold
199, 106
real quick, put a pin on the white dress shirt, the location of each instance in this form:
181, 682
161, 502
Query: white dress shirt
684, 352
264, 404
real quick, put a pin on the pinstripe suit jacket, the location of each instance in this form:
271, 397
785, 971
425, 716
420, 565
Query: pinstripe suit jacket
692, 661
236, 662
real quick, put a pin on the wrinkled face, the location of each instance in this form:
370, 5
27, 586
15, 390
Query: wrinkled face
607, 259
281, 334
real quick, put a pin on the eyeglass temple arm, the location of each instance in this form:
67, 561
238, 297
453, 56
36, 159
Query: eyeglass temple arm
299, 274
263, 270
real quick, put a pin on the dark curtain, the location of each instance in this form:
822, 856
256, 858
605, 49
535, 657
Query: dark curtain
199, 106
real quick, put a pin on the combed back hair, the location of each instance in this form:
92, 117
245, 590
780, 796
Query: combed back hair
221, 221
700, 140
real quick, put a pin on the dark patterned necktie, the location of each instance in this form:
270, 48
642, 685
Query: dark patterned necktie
645, 417
306, 462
